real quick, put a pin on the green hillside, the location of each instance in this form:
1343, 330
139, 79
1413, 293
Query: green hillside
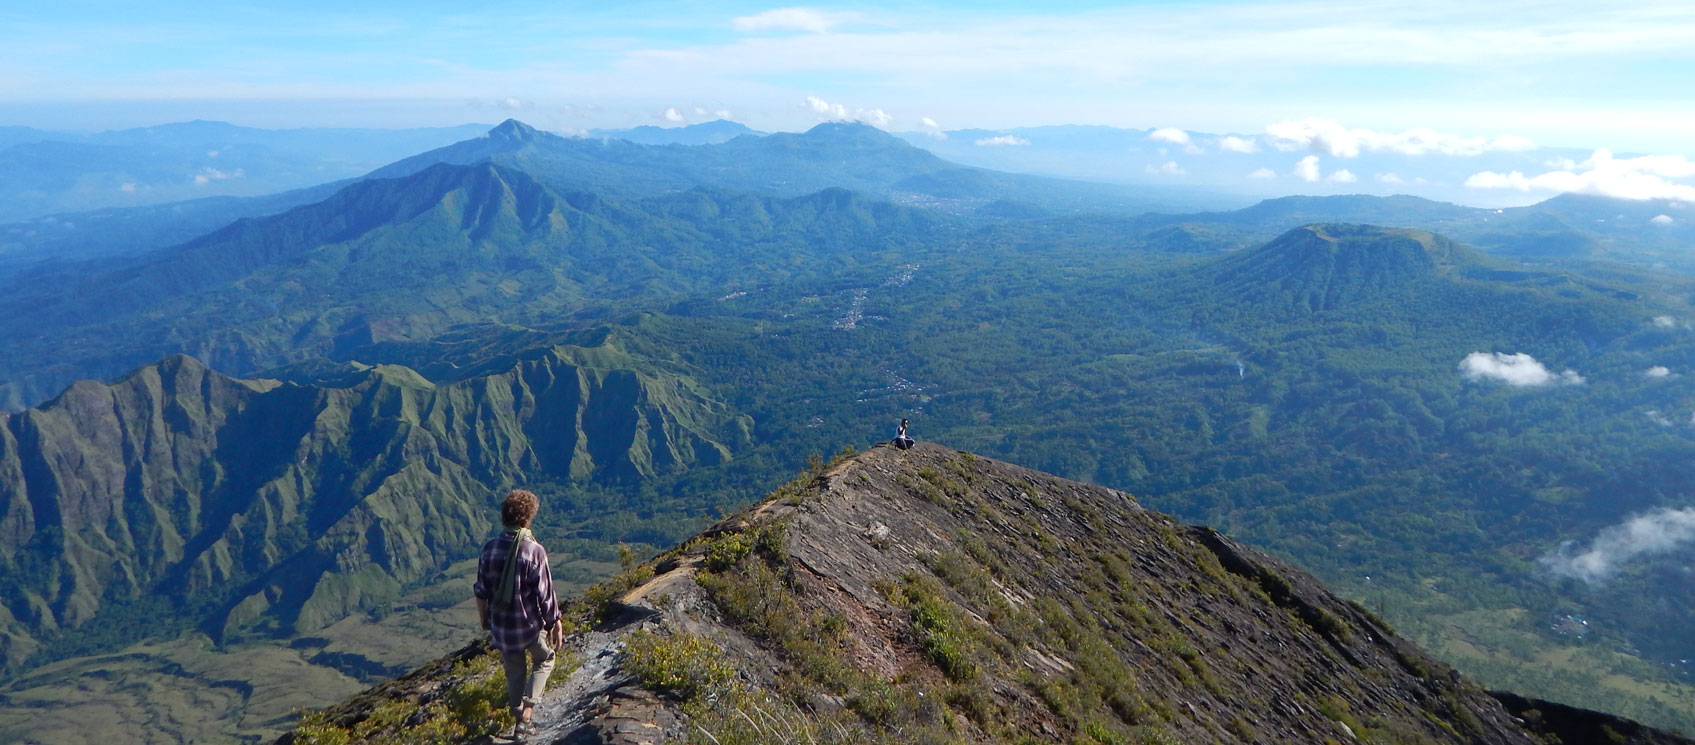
1319, 395
410, 258
178, 496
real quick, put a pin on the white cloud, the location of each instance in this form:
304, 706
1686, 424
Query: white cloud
1170, 168
1642, 177
1001, 141
1657, 371
1263, 174
513, 103
811, 20
1343, 176
722, 114
837, 112
128, 187
1170, 135
1513, 369
1390, 178
1307, 169
1329, 138
1233, 144
1175, 136
1661, 220
1658, 532
930, 128
1657, 417
673, 116
874, 117
826, 109
208, 175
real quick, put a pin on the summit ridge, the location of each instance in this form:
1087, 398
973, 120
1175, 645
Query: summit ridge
932, 595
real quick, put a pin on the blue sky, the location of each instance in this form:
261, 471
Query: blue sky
1570, 74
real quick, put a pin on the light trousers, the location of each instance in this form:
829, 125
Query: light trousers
524, 682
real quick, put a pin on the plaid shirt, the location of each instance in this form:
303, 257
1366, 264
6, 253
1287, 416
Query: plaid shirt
516, 627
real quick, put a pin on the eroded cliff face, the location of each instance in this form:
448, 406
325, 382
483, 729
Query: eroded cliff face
933, 596
277, 507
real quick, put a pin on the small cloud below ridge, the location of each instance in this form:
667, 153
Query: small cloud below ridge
208, 175
1514, 369
1001, 141
1652, 533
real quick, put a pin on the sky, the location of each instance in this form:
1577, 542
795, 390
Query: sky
1584, 75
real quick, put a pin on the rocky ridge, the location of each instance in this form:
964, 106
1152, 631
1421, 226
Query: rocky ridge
273, 507
934, 596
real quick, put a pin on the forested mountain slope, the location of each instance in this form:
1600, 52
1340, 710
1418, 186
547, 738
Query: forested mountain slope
178, 495
408, 258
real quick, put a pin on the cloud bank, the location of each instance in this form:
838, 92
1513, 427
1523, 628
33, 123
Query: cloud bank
1001, 141
810, 20
1326, 137
1513, 369
1642, 177
1658, 532
1233, 144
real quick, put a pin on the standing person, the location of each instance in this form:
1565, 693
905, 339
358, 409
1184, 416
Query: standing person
901, 440
516, 604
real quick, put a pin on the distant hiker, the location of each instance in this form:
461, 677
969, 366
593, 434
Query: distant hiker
901, 440
516, 604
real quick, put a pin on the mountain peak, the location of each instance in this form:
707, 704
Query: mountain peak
853, 132
515, 131
1327, 265
933, 595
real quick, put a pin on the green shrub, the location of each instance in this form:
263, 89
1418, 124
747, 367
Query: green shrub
728, 550
682, 665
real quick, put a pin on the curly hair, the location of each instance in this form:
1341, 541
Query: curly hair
519, 508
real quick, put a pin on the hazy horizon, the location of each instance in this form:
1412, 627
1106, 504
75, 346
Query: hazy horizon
1573, 98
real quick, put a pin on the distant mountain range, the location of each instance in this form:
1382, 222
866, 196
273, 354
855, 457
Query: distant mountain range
1243, 164
715, 132
648, 333
51, 172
